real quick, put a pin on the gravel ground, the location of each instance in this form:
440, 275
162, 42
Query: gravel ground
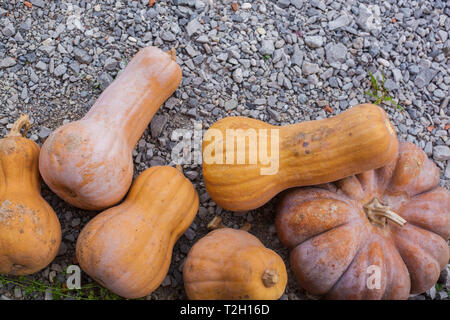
280, 61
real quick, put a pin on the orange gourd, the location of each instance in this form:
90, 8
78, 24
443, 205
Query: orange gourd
88, 163
128, 248
308, 153
30, 232
381, 234
229, 264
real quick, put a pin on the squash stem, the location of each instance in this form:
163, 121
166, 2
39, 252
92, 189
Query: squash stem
173, 54
22, 123
378, 213
216, 223
270, 278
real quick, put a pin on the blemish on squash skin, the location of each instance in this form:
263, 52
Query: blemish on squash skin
9, 212
72, 142
8, 146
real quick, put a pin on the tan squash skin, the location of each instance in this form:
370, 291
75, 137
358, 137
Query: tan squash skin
88, 163
229, 264
128, 248
30, 232
313, 152
334, 242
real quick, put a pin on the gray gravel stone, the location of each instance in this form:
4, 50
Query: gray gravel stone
82, 56
105, 79
314, 41
441, 153
397, 75
7, 62
41, 66
267, 47
297, 57
60, 70
157, 125
297, 3
194, 26
238, 75
336, 53
310, 68
168, 36
340, 22
111, 64
9, 30
283, 3
230, 104
424, 77
38, 3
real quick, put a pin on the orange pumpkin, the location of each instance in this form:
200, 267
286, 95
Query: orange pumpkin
381, 234
88, 163
30, 232
128, 248
229, 264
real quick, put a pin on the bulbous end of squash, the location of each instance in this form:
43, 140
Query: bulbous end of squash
86, 165
30, 232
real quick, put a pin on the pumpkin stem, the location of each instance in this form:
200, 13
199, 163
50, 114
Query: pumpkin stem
270, 278
216, 223
246, 227
22, 122
173, 54
378, 213
179, 168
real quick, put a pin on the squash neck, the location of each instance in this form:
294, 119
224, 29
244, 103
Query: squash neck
131, 100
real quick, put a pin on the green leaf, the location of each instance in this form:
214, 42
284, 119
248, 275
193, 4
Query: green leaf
374, 82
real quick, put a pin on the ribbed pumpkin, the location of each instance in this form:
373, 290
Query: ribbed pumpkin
307, 153
30, 232
88, 163
381, 234
229, 264
128, 248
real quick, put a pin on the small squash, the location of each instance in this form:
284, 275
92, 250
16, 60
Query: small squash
381, 234
128, 248
277, 158
30, 232
229, 264
88, 163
